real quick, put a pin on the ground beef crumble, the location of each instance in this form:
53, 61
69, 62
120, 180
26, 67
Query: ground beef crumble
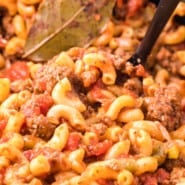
39, 126
160, 177
177, 176
48, 75
165, 107
174, 163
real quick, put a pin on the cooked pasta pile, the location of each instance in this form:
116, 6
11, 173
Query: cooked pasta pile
88, 117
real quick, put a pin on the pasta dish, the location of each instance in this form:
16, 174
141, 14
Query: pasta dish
87, 116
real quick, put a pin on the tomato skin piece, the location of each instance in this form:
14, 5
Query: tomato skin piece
17, 71
73, 141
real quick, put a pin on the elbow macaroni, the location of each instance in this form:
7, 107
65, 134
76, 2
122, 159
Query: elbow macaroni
63, 94
15, 122
118, 149
119, 103
141, 142
76, 160
5, 85
90, 126
71, 114
99, 61
64, 60
59, 138
125, 177
175, 37
39, 166
130, 115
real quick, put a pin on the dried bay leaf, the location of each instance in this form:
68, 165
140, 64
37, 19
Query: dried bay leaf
62, 24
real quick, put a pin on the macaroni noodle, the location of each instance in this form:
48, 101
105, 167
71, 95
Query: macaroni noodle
87, 116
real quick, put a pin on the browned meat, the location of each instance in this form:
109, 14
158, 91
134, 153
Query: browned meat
39, 126
89, 77
35, 121
48, 75
177, 176
120, 9
20, 85
38, 104
165, 59
161, 177
127, 8
56, 159
148, 179
120, 62
176, 163
98, 128
165, 107
134, 85
134, 6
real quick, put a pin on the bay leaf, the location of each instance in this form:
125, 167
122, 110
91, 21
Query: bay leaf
62, 24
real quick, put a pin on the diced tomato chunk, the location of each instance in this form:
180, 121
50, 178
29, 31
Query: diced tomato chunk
46, 151
17, 71
99, 94
105, 182
162, 175
73, 141
29, 109
2, 174
3, 123
96, 93
44, 102
99, 148
134, 6
39, 104
4, 140
151, 181
42, 84
29, 154
140, 71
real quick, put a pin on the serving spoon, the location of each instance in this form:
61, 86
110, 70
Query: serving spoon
163, 12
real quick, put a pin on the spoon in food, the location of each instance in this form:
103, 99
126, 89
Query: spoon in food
163, 12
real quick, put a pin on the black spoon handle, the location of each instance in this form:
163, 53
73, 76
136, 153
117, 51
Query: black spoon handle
164, 11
